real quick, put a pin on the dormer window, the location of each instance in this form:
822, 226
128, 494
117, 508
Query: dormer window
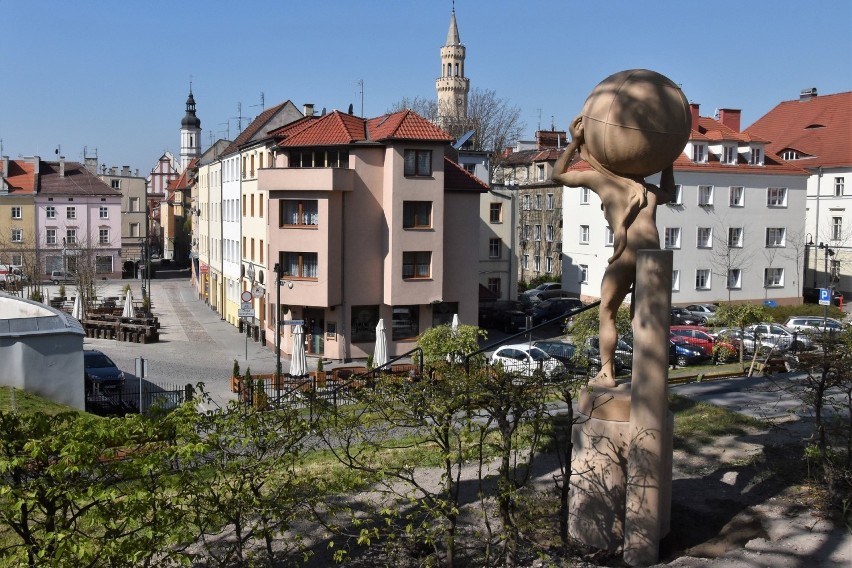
729, 155
790, 155
699, 153
756, 158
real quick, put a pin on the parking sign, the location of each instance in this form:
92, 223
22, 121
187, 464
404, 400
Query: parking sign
824, 297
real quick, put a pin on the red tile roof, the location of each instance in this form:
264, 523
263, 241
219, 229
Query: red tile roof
406, 125
456, 178
253, 128
20, 177
818, 128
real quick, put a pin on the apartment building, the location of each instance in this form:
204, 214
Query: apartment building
18, 236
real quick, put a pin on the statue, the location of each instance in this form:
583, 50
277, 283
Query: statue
633, 124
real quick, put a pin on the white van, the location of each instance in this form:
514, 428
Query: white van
58, 276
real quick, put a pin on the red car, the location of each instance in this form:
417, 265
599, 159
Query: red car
698, 336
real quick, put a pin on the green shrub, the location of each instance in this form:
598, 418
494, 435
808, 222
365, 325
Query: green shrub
236, 370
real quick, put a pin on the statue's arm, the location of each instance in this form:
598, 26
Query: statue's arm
560, 173
667, 185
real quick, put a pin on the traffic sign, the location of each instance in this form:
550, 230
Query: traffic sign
243, 313
292, 322
824, 297
246, 296
246, 306
257, 290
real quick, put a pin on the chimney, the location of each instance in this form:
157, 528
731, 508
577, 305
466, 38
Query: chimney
5, 171
125, 171
730, 117
693, 108
807, 94
62, 166
308, 109
91, 163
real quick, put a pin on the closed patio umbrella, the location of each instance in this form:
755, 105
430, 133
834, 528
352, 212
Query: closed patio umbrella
299, 363
128, 312
380, 356
455, 324
77, 309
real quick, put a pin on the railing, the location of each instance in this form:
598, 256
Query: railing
130, 399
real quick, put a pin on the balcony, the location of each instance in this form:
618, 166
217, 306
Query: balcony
306, 179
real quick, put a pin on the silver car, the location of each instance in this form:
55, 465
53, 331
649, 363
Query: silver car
525, 360
780, 337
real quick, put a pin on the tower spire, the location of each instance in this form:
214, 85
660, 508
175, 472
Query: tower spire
190, 132
452, 85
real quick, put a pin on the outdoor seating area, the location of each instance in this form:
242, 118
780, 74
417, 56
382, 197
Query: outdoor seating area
112, 317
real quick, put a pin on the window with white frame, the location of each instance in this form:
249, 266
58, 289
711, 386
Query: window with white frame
115, 183
50, 236
836, 228
776, 197
584, 234
526, 233
495, 247
677, 197
756, 157
672, 238
675, 280
17, 259
17, 235
735, 237
585, 194
773, 277
838, 186
538, 232
538, 202
705, 195
71, 212
704, 237
584, 273
729, 155
702, 279
103, 213
71, 236
525, 200
50, 212
735, 197
539, 171
495, 285
609, 237
735, 279
699, 153
16, 212
103, 236
525, 262
549, 233
548, 264
775, 236
537, 263
550, 202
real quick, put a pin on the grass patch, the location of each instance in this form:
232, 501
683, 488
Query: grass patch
697, 424
23, 402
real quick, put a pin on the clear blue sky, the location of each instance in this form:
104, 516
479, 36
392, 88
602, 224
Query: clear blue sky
114, 75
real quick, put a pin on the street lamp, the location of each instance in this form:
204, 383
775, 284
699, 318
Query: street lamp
828, 252
808, 245
277, 269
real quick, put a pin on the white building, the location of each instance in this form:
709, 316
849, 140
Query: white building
736, 225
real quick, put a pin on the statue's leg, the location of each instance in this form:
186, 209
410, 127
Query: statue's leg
616, 283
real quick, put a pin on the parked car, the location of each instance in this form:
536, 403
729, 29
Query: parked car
679, 316
814, 324
566, 353
505, 315
623, 354
534, 294
553, 309
696, 335
705, 311
683, 354
734, 336
780, 337
525, 359
101, 374
57, 276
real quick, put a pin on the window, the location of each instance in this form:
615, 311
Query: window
103, 264
251, 203
702, 279
71, 236
735, 197
495, 248
585, 195
526, 233
299, 264
548, 264
836, 228
50, 212
549, 233
756, 158
134, 230
539, 172
71, 213
735, 237
260, 204
417, 264
538, 232
416, 214
495, 213
705, 237
17, 259
260, 251
418, 162
675, 280
406, 322
115, 183
775, 236
773, 277
244, 204
526, 201
364, 322
134, 204
838, 186
16, 212
538, 202
299, 212
776, 197
103, 236
729, 155
672, 238
584, 274
699, 152
609, 237
50, 236
470, 168
525, 262
790, 155
584, 234
677, 199
103, 213
17, 235
251, 250
734, 279
705, 195
550, 202
495, 285
537, 263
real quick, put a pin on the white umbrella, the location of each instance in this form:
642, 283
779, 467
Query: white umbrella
455, 324
128, 305
299, 363
77, 309
380, 356
455, 327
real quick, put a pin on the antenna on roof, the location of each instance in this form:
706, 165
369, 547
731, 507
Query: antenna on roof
361, 84
262, 104
239, 118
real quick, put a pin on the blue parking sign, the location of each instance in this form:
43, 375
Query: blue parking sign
824, 297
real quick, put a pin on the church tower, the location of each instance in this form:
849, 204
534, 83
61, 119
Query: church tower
190, 133
452, 85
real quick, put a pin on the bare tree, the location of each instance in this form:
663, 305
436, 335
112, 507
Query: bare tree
728, 253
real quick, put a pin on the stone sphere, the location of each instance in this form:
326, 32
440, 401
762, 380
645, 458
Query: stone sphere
636, 122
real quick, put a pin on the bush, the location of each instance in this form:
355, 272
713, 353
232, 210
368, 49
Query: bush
236, 370
780, 314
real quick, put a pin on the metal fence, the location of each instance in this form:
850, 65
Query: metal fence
132, 400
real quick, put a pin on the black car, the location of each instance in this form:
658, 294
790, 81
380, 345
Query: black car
680, 316
553, 309
566, 353
101, 373
505, 315
623, 354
